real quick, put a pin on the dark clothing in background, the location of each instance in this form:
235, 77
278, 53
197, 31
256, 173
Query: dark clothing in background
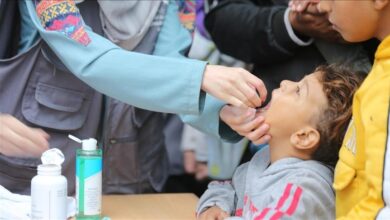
255, 31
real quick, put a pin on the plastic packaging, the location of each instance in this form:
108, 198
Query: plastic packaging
49, 188
88, 179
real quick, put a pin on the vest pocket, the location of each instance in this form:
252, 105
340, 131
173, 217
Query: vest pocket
57, 110
53, 107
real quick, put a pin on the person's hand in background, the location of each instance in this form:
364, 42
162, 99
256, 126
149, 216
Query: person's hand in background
19, 140
304, 5
189, 161
192, 166
308, 20
201, 170
247, 122
313, 26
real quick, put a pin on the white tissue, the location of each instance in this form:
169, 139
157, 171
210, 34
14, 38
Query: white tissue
15, 206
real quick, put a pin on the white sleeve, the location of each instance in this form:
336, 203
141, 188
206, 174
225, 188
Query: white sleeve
291, 32
192, 138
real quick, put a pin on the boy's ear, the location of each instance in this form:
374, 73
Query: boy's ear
305, 139
380, 4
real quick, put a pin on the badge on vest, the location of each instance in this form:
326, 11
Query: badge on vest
350, 136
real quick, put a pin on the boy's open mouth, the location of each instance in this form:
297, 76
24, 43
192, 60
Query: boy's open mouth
267, 106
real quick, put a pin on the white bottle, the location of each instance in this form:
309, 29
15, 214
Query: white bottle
49, 191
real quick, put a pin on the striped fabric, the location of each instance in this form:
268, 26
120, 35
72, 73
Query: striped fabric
286, 206
62, 16
187, 13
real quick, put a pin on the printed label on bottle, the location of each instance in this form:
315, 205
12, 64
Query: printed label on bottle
48, 203
89, 185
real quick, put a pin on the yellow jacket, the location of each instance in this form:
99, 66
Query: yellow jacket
362, 175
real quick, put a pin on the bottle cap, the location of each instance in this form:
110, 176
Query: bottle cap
53, 156
87, 144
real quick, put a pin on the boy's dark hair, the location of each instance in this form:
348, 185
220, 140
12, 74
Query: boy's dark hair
339, 85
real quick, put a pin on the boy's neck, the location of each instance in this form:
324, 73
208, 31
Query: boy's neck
281, 148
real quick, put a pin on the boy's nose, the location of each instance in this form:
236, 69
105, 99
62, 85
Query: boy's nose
284, 85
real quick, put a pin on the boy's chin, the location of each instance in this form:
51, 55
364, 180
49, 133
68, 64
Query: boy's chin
262, 112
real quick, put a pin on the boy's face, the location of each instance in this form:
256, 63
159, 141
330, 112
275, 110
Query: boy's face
295, 105
355, 20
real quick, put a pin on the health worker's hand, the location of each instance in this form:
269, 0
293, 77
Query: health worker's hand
235, 86
19, 140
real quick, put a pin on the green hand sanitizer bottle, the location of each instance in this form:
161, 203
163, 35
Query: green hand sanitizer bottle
88, 179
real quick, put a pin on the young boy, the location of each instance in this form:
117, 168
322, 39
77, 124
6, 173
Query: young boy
362, 175
293, 177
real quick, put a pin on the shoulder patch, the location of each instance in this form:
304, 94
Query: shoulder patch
62, 16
